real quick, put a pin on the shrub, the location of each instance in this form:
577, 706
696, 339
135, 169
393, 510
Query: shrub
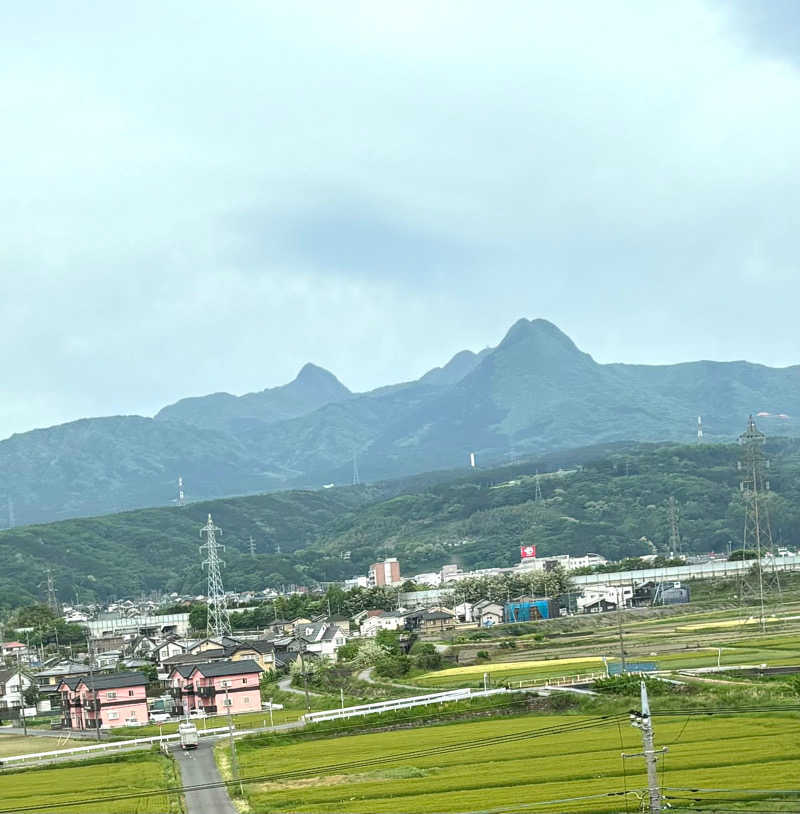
392, 666
483, 655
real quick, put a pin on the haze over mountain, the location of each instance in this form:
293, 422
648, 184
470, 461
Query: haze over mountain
535, 392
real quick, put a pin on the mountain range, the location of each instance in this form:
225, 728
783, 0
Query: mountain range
534, 393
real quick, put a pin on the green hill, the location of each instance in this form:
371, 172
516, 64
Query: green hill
600, 499
532, 394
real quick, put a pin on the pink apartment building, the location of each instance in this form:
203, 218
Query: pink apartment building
106, 701
218, 687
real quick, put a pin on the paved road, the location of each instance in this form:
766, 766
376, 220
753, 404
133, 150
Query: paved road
286, 685
366, 675
198, 766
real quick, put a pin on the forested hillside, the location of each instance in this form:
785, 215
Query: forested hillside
612, 501
536, 392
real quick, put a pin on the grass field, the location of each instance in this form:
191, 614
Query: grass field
61, 785
722, 753
20, 745
246, 720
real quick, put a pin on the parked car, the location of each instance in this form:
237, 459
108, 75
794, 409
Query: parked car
159, 717
198, 713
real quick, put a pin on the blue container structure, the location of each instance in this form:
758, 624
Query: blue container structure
530, 610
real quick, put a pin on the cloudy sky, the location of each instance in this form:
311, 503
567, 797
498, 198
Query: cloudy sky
203, 196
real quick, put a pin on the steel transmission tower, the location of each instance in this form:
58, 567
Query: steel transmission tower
674, 530
537, 498
252, 546
52, 601
754, 486
181, 499
356, 478
219, 623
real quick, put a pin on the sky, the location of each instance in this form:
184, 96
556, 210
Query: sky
200, 197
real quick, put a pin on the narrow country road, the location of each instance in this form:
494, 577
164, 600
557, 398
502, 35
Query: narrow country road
197, 767
285, 684
366, 675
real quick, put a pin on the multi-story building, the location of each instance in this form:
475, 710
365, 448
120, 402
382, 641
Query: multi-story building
105, 702
217, 687
384, 573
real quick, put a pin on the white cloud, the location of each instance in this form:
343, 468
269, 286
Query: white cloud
196, 200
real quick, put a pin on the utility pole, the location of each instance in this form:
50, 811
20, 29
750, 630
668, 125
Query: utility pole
21, 697
674, 532
95, 701
619, 630
305, 675
641, 720
234, 756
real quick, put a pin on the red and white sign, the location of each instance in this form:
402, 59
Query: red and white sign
526, 552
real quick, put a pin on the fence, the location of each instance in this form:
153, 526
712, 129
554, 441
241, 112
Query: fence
559, 681
387, 706
463, 694
21, 760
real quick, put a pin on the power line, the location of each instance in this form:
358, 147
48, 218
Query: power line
578, 726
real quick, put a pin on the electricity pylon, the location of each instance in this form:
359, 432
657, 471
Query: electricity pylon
219, 622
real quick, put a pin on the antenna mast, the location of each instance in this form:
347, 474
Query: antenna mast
219, 622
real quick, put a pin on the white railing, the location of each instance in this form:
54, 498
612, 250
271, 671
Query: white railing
387, 706
462, 694
560, 681
107, 746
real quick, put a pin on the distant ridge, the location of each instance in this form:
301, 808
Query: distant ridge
535, 392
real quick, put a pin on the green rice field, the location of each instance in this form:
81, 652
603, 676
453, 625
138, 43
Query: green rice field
133, 773
20, 745
574, 771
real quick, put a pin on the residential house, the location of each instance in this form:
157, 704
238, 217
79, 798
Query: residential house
487, 613
362, 615
261, 651
105, 702
342, 622
320, 638
13, 650
218, 687
108, 660
430, 620
463, 612
13, 684
48, 680
605, 597
386, 620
